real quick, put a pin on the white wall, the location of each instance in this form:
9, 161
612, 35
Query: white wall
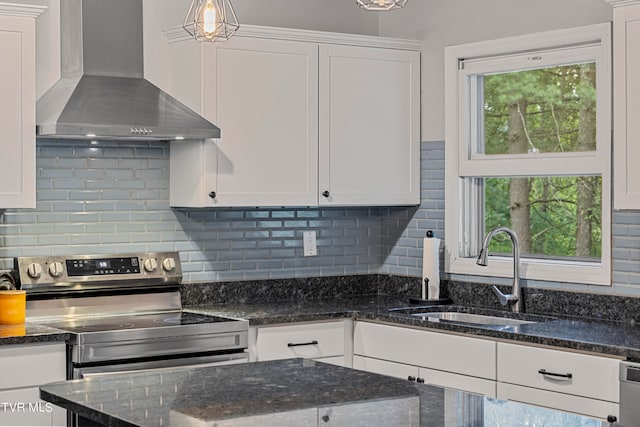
443, 23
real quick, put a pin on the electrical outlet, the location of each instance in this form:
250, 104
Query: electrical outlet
309, 243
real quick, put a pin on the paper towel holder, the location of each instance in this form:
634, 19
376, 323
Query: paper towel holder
439, 301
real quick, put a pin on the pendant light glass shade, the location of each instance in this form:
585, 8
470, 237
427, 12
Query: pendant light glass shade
381, 4
211, 20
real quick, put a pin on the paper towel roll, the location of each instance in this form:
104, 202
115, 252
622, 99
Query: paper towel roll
431, 267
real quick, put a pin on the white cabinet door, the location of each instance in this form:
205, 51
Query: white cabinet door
369, 126
402, 412
626, 104
564, 402
385, 367
23, 407
428, 376
22, 369
263, 95
17, 112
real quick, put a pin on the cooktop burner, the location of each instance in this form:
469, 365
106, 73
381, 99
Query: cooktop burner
140, 321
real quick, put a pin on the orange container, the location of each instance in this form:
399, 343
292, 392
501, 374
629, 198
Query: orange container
13, 307
12, 330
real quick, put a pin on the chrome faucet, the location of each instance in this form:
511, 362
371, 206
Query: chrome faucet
514, 299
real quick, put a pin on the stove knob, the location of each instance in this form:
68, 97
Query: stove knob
169, 264
56, 269
34, 270
150, 264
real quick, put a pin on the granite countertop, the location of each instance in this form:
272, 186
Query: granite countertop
213, 394
618, 339
26, 333
236, 392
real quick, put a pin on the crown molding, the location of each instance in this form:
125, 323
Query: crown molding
620, 3
24, 10
178, 34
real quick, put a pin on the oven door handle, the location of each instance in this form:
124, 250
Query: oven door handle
140, 368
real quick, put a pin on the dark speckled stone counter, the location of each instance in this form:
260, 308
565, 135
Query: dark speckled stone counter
30, 333
211, 394
238, 395
609, 338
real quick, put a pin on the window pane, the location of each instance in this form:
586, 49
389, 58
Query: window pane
553, 216
547, 110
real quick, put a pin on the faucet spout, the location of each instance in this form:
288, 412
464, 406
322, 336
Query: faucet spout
514, 299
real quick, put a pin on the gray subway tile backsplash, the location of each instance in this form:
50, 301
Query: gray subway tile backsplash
109, 197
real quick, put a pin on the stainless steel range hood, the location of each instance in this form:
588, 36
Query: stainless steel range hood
102, 92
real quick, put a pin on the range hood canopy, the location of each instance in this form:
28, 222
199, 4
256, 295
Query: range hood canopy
102, 92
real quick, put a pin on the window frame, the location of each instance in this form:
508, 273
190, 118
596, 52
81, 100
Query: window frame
464, 167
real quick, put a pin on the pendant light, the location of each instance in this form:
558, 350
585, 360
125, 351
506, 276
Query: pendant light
381, 4
211, 20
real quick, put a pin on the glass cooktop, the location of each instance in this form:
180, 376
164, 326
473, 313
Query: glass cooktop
142, 321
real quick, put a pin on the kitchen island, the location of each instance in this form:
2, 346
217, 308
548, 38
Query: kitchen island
285, 392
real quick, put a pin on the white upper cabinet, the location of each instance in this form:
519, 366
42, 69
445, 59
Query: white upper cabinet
369, 126
18, 105
303, 114
626, 104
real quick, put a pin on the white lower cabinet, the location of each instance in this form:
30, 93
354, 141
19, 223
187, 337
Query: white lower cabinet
400, 412
23, 368
324, 341
442, 359
579, 383
572, 382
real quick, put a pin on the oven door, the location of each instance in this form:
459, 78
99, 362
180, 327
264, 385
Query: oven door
155, 365
76, 420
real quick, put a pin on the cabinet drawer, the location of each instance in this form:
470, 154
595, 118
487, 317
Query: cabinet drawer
311, 340
32, 365
570, 373
565, 402
444, 352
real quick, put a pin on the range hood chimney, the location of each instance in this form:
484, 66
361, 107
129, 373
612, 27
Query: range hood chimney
102, 92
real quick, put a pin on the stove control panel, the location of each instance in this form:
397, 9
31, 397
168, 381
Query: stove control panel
91, 271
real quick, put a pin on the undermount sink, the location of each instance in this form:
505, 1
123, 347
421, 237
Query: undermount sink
478, 319
470, 316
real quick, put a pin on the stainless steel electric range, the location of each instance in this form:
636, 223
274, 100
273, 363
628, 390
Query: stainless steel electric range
124, 313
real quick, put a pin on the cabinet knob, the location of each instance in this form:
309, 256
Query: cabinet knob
411, 378
420, 380
212, 194
325, 418
612, 419
325, 193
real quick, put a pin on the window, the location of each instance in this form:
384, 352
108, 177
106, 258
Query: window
528, 142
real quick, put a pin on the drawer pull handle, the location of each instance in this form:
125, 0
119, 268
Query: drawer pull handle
556, 376
298, 344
